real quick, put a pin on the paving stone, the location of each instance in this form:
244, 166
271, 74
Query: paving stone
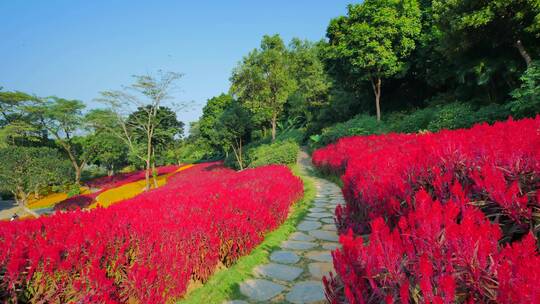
327, 220
320, 205
316, 209
284, 257
329, 227
320, 214
331, 246
297, 245
324, 235
300, 236
306, 292
278, 271
308, 225
260, 290
320, 256
318, 270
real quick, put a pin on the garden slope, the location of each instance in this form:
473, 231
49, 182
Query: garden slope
453, 216
148, 248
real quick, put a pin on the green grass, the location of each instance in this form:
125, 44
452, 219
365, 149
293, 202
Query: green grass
224, 285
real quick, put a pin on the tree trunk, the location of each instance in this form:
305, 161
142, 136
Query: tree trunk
78, 171
274, 123
238, 154
147, 175
376, 84
523, 52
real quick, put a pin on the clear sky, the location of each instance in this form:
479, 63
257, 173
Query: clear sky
75, 49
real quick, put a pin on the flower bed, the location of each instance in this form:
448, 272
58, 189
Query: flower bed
493, 169
106, 183
148, 248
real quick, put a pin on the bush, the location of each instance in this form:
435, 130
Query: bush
415, 121
526, 99
280, 152
296, 135
452, 116
360, 125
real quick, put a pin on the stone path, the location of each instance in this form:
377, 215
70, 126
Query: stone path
295, 270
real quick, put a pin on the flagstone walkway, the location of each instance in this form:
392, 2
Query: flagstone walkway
295, 270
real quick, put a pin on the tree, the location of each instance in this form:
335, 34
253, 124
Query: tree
166, 132
105, 150
27, 169
138, 132
489, 24
374, 39
62, 119
211, 114
234, 128
263, 82
313, 84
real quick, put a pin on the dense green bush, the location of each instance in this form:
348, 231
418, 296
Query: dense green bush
296, 135
415, 121
360, 125
279, 152
526, 99
491, 113
196, 151
452, 116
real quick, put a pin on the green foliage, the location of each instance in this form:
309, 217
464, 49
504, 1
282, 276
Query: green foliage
31, 169
526, 98
106, 150
374, 40
278, 152
415, 121
235, 127
262, 82
452, 116
359, 125
207, 124
491, 113
192, 152
296, 135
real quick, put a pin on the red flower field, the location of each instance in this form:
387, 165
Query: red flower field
146, 249
453, 216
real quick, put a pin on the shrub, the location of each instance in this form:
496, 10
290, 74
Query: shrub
415, 121
359, 125
491, 113
148, 248
526, 99
279, 152
452, 116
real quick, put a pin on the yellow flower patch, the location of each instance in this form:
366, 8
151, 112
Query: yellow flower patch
51, 199
130, 190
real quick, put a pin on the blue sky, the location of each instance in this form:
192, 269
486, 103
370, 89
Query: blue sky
75, 49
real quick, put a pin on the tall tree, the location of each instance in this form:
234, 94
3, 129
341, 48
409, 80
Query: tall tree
212, 111
147, 94
313, 84
234, 128
62, 119
374, 39
263, 82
